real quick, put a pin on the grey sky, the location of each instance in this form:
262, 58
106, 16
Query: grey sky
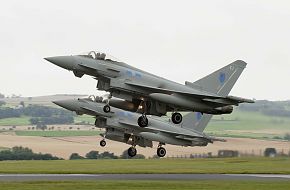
179, 40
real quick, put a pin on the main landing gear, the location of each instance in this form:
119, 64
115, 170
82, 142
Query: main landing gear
143, 121
132, 151
103, 143
176, 118
161, 152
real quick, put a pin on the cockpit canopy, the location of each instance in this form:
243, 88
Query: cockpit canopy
99, 56
93, 98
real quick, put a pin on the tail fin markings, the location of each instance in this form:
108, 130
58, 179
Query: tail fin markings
196, 121
221, 81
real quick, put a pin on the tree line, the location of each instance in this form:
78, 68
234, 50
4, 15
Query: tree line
105, 155
269, 108
21, 153
39, 114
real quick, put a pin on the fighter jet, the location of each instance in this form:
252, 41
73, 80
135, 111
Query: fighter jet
153, 94
120, 126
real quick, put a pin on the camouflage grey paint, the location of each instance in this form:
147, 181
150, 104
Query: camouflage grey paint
207, 95
121, 125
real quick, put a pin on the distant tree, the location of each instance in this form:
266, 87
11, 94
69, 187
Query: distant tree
2, 103
107, 155
75, 156
126, 156
34, 121
21, 153
155, 156
287, 137
22, 104
2, 95
270, 152
92, 155
41, 126
9, 113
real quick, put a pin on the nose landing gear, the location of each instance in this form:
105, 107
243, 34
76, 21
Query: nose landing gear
132, 151
106, 108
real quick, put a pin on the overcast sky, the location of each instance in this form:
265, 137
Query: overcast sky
178, 40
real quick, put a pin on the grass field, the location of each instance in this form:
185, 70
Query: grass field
232, 124
84, 118
240, 120
18, 121
57, 133
146, 184
213, 165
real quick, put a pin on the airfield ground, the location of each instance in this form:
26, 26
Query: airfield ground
256, 165
64, 146
147, 184
157, 166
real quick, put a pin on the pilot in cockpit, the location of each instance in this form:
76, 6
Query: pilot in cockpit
100, 56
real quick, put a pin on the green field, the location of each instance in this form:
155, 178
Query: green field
231, 125
24, 120
57, 133
84, 118
17, 121
146, 184
156, 166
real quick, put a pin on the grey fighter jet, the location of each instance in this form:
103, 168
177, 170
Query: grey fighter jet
121, 126
155, 95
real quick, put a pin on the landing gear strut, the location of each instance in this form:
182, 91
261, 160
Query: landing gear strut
176, 118
143, 121
132, 151
103, 143
107, 107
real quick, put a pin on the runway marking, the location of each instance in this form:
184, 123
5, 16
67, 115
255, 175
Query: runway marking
50, 175
57, 177
260, 175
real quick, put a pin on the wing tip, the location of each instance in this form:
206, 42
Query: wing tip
240, 63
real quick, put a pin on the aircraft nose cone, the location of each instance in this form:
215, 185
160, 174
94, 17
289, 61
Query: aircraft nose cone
66, 62
67, 104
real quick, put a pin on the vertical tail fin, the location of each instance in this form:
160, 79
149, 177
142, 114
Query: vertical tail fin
221, 81
196, 121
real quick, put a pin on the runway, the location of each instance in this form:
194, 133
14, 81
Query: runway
65, 177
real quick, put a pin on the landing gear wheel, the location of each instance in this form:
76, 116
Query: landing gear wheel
103, 143
161, 152
107, 109
176, 118
132, 151
143, 121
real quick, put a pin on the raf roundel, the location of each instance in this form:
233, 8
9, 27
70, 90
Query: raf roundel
198, 116
222, 78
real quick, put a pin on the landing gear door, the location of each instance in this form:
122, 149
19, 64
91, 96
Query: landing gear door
161, 108
103, 84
